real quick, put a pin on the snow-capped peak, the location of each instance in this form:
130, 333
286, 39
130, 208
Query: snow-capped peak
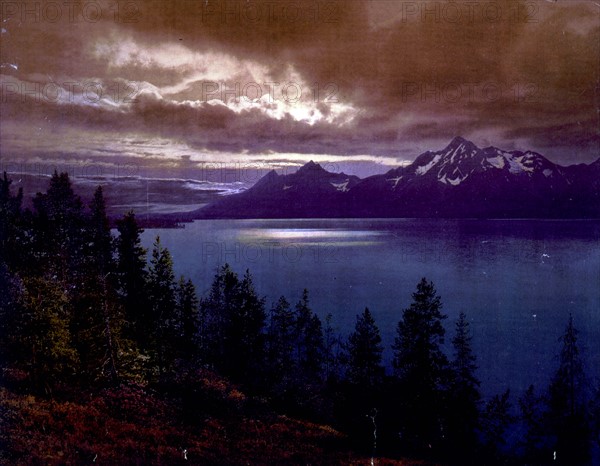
462, 158
460, 145
451, 165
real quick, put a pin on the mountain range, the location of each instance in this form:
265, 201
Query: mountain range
460, 181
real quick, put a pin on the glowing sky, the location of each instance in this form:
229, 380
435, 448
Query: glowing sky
357, 83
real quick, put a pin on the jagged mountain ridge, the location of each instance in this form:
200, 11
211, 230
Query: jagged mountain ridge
309, 192
461, 180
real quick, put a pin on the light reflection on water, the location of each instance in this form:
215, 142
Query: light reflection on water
329, 236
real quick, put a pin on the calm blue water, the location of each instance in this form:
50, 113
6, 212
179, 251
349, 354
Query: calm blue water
516, 280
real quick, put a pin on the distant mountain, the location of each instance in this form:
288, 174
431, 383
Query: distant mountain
459, 181
309, 192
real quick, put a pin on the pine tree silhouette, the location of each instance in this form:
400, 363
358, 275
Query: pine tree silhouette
568, 403
421, 367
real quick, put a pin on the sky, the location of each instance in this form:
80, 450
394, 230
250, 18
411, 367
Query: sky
362, 86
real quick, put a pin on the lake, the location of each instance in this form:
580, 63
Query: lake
517, 280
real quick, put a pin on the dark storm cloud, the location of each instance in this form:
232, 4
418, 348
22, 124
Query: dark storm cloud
407, 75
580, 136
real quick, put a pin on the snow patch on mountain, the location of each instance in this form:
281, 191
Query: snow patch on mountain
497, 162
519, 165
425, 168
456, 181
395, 181
343, 187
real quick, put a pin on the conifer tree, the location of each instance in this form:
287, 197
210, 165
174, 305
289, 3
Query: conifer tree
568, 403
61, 256
309, 343
187, 312
232, 335
164, 324
332, 352
59, 231
364, 353
42, 334
533, 443
97, 317
421, 367
361, 394
281, 346
215, 313
495, 422
10, 214
101, 242
131, 279
464, 394
245, 352
102, 248
11, 237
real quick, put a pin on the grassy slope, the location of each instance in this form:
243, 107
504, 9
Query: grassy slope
133, 425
